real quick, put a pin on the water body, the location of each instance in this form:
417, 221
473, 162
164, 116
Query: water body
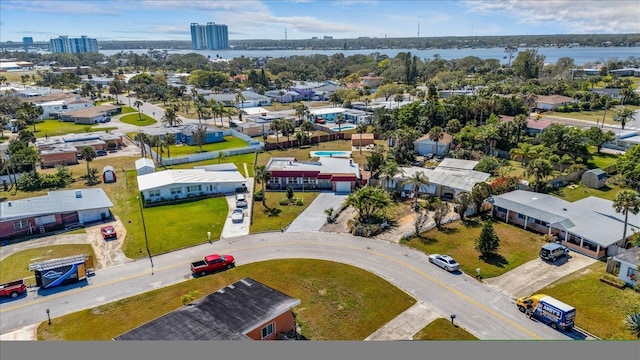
580, 55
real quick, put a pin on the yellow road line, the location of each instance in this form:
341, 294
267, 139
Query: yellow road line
423, 274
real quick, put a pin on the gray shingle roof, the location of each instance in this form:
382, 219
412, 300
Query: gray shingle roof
55, 202
227, 314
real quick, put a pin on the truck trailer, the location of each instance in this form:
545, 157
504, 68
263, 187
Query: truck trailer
549, 310
62, 271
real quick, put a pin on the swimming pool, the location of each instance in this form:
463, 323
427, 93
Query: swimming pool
332, 153
343, 127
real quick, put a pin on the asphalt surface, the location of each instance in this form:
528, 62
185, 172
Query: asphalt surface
314, 217
483, 311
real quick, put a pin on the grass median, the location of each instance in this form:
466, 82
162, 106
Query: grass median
443, 329
138, 119
263, 222
338, 301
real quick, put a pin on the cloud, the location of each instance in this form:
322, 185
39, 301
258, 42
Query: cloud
586, 16
204, 5
66, 7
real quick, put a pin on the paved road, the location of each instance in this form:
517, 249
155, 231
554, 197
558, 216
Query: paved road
485, 312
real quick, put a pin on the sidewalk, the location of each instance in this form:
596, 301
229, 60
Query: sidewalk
405, 325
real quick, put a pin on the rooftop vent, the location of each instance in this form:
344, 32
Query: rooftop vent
564, 209
78, 194
9, 204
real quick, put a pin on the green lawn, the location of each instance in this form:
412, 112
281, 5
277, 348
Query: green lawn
601, 160
16, 266
595, 116
575, 192
442, 329
517, 246
56, 128
600, 308
262, 222
138, 119
128, 110
238, 160
338, 301
230, 142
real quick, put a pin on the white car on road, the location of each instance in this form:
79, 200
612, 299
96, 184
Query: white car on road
237, 216
444, 261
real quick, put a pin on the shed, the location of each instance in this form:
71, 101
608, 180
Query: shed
108, 174
362, 139
145, 166
595, 178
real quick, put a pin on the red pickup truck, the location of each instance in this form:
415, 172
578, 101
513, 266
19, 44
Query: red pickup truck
13, 288
211, 263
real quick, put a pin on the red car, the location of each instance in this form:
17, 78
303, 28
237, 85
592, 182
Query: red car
108, 232
212, 263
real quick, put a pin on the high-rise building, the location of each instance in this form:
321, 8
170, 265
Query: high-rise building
27, 41
66, 45
209, 37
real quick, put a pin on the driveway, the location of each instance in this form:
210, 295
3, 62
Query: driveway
536, 274
232, 229
313, 217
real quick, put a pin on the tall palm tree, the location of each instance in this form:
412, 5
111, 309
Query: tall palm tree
275, 126
417, 181
361, 129
389, 171
263, 176
339, 120
88, 153
626, 201
170, 139
307, 127
240, 99
138, 104
170, 118
436, 134
540, 169
524, 152
623, 115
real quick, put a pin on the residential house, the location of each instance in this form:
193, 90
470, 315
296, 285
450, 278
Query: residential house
304, 91
90, 115
213, 134
97, 80
56, 103
424, 145
446, 180
626, 72
185, 183
251, 99
64, 154
590, 226
337, 174
628, 266
145, 166
244, 310
534, 127
614, 93
54, 211
371, 81
625, 140
553, 102
98, 140
324, 91
326, 115
283, 96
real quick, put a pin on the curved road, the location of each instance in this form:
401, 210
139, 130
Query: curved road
483, 311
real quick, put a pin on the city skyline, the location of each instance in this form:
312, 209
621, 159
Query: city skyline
303, 19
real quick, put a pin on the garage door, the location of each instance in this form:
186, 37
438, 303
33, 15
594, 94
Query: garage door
86, 216
343, 187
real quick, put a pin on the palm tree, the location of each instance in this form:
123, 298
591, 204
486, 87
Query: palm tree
275, 126
632, 322
287, 129
361, 129
307, 126
623, 115
436, 134
88, 153
417, 181
170, 118
240, 99
626, 201
221, 156
389, 171
524, 152
263, 176
170, 139
339, 120
301, 110
540, 169
138, 104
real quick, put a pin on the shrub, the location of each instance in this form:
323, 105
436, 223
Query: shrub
257, 196
284, 202
299, 202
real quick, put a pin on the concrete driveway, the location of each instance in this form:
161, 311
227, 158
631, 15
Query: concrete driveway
232, 229
536, 274
313, 217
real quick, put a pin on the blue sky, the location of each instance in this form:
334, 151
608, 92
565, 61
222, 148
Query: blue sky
303, 19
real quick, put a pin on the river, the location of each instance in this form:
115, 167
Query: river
580, 55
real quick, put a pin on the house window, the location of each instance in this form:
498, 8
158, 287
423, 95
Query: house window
194, 188
176, 190
501, 209
539, 222
292, 180
268, 330
520, 216
20, 224
154, 193
274, 181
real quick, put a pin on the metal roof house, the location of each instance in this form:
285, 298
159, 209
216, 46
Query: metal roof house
444, 181
338, 174
145, 166
244, 310
56, 210
590, 226
180, 184
629, 263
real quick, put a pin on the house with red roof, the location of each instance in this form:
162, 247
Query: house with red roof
327, 173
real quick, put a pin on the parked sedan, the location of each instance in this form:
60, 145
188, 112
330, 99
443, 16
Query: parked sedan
241, 201
444, 261
237, 216
108, 232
